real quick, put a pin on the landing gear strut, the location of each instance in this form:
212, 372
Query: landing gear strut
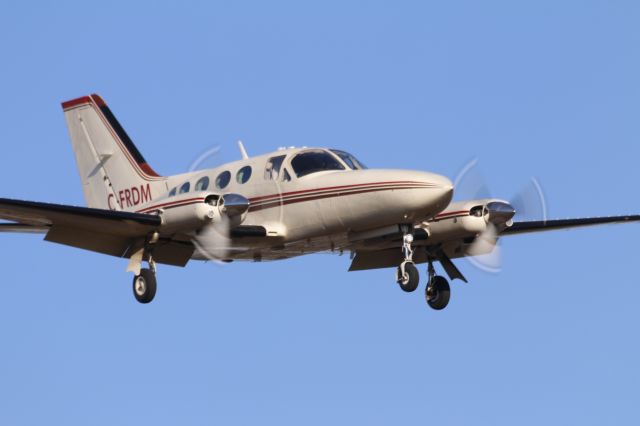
407, 276
437, 292
144, 280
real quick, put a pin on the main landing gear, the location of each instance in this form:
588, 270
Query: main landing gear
145, 285
437, 291
144, 280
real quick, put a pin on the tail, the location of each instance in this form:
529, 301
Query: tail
114, 174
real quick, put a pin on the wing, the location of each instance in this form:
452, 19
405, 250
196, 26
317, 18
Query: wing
102, 231
554, 225
386, 253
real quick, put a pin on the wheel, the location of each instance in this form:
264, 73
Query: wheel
144, 286
438, 293
409, 282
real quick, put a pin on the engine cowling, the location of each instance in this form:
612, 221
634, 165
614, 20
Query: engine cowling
467, 219
188, 212
191, 211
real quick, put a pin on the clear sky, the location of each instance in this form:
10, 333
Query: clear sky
542, 88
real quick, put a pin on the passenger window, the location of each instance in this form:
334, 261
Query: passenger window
309, 162
184, 188
272, 169
173, 191
286, 177
223, 180
243, 174
202, 184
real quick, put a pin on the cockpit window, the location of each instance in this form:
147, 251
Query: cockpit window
272, 169
309, 162
349, 159
173, 191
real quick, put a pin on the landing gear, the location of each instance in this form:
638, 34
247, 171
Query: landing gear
144, 280
437, 293
409, 279
407, 276
144, 285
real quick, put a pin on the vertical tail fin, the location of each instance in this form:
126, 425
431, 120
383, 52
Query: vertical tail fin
114, 174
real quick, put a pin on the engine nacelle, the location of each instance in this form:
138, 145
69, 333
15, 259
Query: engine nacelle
187, 212
467, 219
191, 211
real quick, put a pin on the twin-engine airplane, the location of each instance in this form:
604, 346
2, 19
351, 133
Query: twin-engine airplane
275, 206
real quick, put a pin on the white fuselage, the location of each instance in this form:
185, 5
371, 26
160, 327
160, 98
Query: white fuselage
317, 211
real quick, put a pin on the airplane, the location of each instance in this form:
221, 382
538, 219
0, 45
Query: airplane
287, 203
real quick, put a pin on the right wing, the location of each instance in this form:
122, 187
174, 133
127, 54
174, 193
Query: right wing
104, 231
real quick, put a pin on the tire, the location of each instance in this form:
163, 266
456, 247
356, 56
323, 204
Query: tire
411, 280
144, 286
438, 293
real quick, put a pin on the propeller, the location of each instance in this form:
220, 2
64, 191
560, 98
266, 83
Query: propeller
214, 240
527, 204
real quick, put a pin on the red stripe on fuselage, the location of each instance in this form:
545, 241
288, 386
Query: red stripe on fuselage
171, 204
306, 191
317, 195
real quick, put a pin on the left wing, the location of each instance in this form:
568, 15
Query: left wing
386, 252
555, 225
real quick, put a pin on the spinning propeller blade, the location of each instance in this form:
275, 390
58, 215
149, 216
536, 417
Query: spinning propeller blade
527, 204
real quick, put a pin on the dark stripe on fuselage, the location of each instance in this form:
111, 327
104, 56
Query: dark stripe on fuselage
315, 194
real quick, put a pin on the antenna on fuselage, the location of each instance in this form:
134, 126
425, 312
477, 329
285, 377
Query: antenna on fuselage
243, 151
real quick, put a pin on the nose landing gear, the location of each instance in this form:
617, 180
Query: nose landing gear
407, 275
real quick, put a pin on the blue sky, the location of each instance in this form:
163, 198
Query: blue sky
547, 89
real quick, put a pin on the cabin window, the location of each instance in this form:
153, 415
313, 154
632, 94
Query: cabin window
243, 174
349, 160
286, 177
184, 188
202, 184
223, 180
310, 162
173, 191
272, 169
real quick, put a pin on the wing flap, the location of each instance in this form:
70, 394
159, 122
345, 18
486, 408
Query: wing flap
23, 228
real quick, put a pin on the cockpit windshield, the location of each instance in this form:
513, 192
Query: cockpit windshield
349, 159
314, 161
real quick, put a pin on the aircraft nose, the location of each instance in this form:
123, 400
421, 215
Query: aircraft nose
442, 184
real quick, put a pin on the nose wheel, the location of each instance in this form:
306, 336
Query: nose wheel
407, 275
